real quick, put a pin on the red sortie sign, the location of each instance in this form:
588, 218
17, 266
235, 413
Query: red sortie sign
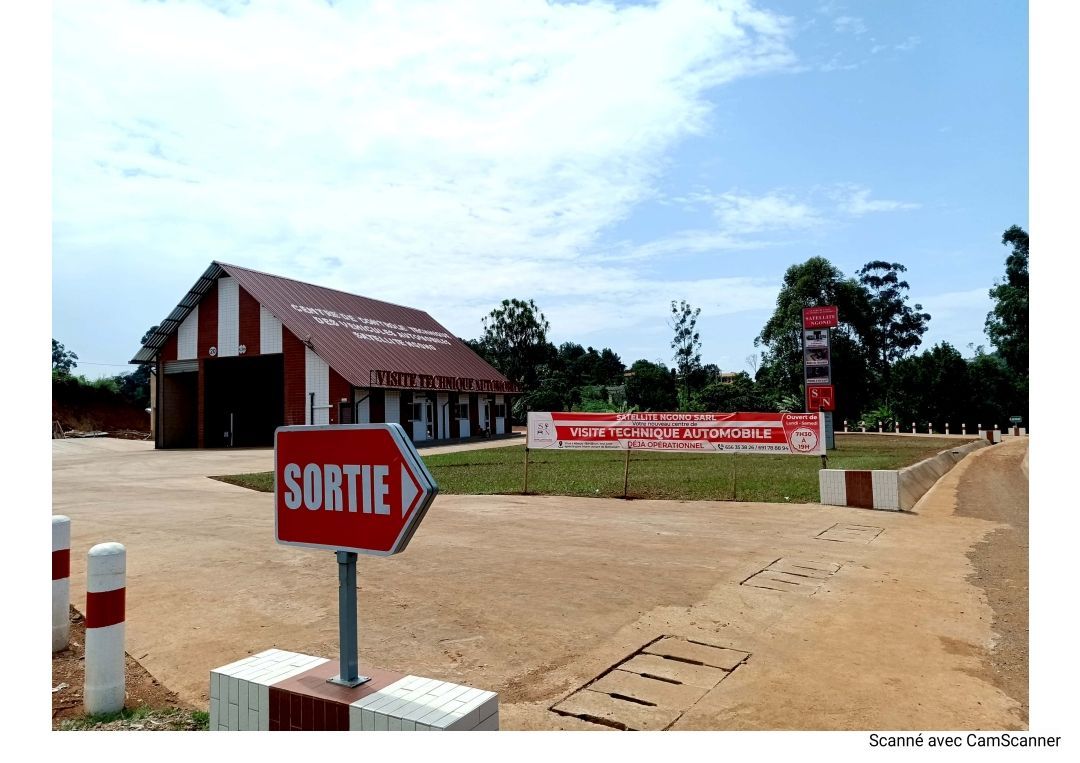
820, 317
359, 487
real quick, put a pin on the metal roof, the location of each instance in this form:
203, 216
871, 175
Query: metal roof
394, 337
156, 341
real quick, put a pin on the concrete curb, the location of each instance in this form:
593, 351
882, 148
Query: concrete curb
889, 489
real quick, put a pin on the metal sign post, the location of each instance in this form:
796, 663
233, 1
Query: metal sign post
349, 672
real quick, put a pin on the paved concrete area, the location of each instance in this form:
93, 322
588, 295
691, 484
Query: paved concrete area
536, 597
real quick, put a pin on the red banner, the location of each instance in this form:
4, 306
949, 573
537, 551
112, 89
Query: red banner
820, 317
784, 433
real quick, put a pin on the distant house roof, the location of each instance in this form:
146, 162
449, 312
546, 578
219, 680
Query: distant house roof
363, 339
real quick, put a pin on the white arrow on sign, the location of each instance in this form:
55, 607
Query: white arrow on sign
409, 491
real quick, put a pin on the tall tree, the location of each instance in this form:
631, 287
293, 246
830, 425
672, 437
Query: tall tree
515, 336
686, 342
817, 283
135, 386
651, 386
1007, 323
897, 328
63, 359
933, 387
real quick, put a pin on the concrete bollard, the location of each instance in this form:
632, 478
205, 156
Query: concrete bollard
862, 424
913, 427
61, 582
845, 425
946, 427
963, 429
103, 690
930, 428
879, 427
897, 425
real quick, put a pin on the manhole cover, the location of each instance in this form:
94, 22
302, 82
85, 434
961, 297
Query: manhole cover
793, 575
850, 533
652, 688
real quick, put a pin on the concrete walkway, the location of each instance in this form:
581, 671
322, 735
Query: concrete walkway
535, 597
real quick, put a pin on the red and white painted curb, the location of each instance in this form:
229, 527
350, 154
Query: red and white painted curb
106, 567
61, 581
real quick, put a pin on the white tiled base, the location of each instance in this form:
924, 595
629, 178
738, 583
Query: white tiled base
240, 691
425, 704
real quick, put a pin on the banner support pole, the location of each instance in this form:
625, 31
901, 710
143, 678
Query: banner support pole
734, 475
525, 486
626, 472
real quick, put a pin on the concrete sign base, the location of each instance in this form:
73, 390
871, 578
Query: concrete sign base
277, 690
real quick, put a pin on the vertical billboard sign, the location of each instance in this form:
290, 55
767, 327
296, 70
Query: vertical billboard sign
817, 361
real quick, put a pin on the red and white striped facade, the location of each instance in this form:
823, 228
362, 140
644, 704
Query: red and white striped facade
437, 388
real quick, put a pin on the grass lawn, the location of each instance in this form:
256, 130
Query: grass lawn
715, 477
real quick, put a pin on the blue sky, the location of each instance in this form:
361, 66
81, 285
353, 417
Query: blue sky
601, 159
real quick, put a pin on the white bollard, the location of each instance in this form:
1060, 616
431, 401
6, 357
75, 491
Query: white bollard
930, 428
61, 582
946, 427
897, 427
845, 425
103, 691
963, 429
913, 427
862, 424
879, 427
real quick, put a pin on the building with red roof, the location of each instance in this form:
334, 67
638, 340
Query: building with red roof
245, 352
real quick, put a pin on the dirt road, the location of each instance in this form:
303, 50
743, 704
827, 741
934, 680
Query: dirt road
887, 625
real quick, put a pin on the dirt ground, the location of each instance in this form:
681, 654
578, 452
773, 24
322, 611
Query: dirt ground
538, 597
141, 688
1001, 567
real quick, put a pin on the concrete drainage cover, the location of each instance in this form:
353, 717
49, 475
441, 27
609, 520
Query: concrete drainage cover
850, 533
793, 575
652, 688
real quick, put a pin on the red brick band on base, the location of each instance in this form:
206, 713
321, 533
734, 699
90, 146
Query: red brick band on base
859, 485
61, 564
306, 702
105, 608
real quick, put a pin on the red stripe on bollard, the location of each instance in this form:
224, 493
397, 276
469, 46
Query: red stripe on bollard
105, 608
61, 564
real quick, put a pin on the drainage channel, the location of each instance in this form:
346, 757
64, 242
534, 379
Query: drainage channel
652, 688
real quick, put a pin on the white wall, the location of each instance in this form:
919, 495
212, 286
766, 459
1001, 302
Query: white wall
317, 379
269, 332
500, 421
393, 406
228, 336
187, 336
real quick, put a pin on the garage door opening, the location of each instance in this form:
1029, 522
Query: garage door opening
244, 401
179, 406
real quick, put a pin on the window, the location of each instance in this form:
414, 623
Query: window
500, 411
463, 410
417, 411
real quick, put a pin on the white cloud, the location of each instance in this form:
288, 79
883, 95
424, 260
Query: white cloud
910, 43
774, 211
392, 149
951, 315
849, 25
855, 200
